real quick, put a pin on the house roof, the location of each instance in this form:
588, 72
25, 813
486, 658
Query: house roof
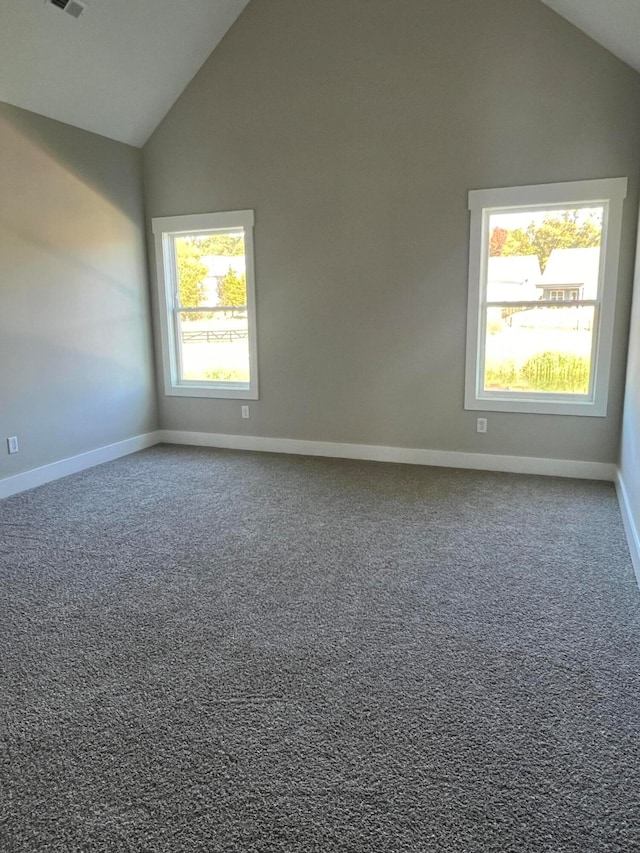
219, 265
514, 269
575, 267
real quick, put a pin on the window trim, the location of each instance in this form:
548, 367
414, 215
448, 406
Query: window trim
607, 192
165, 228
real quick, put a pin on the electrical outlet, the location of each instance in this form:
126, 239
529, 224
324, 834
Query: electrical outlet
245, 411
481, 425
12, 444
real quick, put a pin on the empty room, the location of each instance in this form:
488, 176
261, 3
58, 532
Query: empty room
319, 426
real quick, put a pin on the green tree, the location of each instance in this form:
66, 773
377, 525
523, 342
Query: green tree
518, 242
191, 274
232, 289
563, 233
554, 232
227, 245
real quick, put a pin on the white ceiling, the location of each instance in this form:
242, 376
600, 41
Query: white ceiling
615, 24
117, 69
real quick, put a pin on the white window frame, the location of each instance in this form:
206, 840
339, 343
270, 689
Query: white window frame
608, 193
165, 229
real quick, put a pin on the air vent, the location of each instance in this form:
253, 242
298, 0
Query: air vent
71, 7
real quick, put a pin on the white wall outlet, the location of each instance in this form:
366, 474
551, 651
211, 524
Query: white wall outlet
12, 444
481, 425
245, 411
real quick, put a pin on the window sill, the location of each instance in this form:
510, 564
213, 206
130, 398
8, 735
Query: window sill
212, 392
535, 406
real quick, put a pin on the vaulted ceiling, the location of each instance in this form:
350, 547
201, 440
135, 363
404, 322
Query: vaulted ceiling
613, 23
118, 68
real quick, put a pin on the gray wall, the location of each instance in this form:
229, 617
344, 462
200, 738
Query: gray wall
76, 370
630, 455
355, 129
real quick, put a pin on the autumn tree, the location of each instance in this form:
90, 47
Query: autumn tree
232, 289
496, 241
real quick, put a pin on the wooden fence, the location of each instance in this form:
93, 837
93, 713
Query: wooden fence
210, 336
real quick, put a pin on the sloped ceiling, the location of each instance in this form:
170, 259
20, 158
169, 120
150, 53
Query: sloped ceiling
117, 69
615, 24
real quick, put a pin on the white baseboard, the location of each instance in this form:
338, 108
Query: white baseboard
377, 453
630, 528
411, 456
73, 464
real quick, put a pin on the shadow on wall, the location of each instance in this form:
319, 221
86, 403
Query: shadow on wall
85, 386
111, 169
52, 211
75, 341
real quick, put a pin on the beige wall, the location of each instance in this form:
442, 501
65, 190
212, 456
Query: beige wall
355, 129
76, 371
630, 454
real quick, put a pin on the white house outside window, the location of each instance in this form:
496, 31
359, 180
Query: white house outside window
543, 270
207, 303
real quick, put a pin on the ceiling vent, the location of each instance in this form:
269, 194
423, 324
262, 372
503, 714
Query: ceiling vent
71, 7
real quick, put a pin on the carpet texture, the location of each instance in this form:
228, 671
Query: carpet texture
207, 650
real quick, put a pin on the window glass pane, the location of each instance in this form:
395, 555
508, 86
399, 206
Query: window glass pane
214, 345
211, 273
211, 269
544, 254
541, 350
191, 272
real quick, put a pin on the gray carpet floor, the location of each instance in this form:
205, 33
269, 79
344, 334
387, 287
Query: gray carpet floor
206, 650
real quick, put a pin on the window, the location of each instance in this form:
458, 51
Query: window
543, 268
207, 304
